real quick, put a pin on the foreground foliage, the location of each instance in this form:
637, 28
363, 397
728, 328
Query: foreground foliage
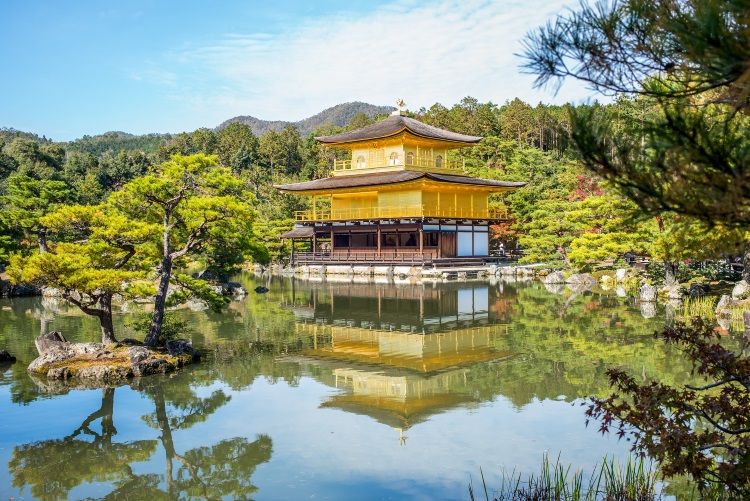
698, 430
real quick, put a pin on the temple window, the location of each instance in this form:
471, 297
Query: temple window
410, 158
393, 159
361, 162
439, 161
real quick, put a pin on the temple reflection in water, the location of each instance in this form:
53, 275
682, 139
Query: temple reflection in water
400, 353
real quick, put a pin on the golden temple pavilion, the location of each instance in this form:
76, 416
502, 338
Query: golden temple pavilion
399, 197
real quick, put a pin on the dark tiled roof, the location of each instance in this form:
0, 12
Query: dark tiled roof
341, 182
395, 124
301, 232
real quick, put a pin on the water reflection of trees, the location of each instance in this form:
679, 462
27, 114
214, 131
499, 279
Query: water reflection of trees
52, 468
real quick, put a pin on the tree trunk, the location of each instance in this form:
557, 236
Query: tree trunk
746, 263
670, 273
42, 236
154, 331
105, 320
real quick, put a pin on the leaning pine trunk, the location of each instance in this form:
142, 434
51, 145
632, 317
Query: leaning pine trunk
105, 321
154, 331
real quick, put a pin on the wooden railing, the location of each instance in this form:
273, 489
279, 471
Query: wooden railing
353, 255
407, 211
421, 162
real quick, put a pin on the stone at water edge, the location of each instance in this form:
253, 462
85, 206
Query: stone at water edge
581, 279
556, 277
648, 293
50, 340
698, 290
675, 291
6, 357
261, 290
741, 290
621, 274
648, 309
724, 302
179, 347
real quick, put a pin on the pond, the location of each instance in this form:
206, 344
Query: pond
331, 390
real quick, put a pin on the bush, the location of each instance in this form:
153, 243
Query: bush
172, 328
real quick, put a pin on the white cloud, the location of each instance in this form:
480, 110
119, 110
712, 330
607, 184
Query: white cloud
439, 52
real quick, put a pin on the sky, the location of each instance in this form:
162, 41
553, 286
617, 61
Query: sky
139, 66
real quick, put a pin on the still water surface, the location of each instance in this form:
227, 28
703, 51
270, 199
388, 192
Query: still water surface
330, 391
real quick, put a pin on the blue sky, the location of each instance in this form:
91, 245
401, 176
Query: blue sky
86, 67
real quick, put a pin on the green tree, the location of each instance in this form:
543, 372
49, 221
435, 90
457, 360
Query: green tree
27, 199
232, 139
689, 61
196, 204
94, 254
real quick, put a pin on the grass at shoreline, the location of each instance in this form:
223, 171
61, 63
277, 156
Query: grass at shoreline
608, 481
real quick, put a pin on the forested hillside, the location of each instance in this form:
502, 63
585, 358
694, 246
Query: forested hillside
565, 215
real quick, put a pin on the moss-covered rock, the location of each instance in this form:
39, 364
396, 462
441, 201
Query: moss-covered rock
109, 363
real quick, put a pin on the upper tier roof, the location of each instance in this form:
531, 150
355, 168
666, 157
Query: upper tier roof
395, 124
343, 182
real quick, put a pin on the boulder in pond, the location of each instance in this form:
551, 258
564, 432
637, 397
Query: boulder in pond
674, 292
648, 309
556, 277
581, 282
741, 290
648, 294
6, 357
725, 302
621, 274
698, 290
45, 342
100, 364
261, 290
182, 347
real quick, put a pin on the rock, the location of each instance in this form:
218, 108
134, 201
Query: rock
8, 289
698, 290
97, 364
648, 309
261, 290
556, 277
741, 290
724, 302
151, 366
674, 292
621, 291
58, 373
621, 274
45, 342
131, 342
195, 304
607, 282
51, 292
507, 270
6, 357
236, 289
648, 294
581, 282
581, 279
180, 347
555, 288
138, 354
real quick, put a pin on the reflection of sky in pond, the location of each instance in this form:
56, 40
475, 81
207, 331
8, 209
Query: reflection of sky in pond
331, 389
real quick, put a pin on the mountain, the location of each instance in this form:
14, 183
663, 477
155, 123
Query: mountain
338, 115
